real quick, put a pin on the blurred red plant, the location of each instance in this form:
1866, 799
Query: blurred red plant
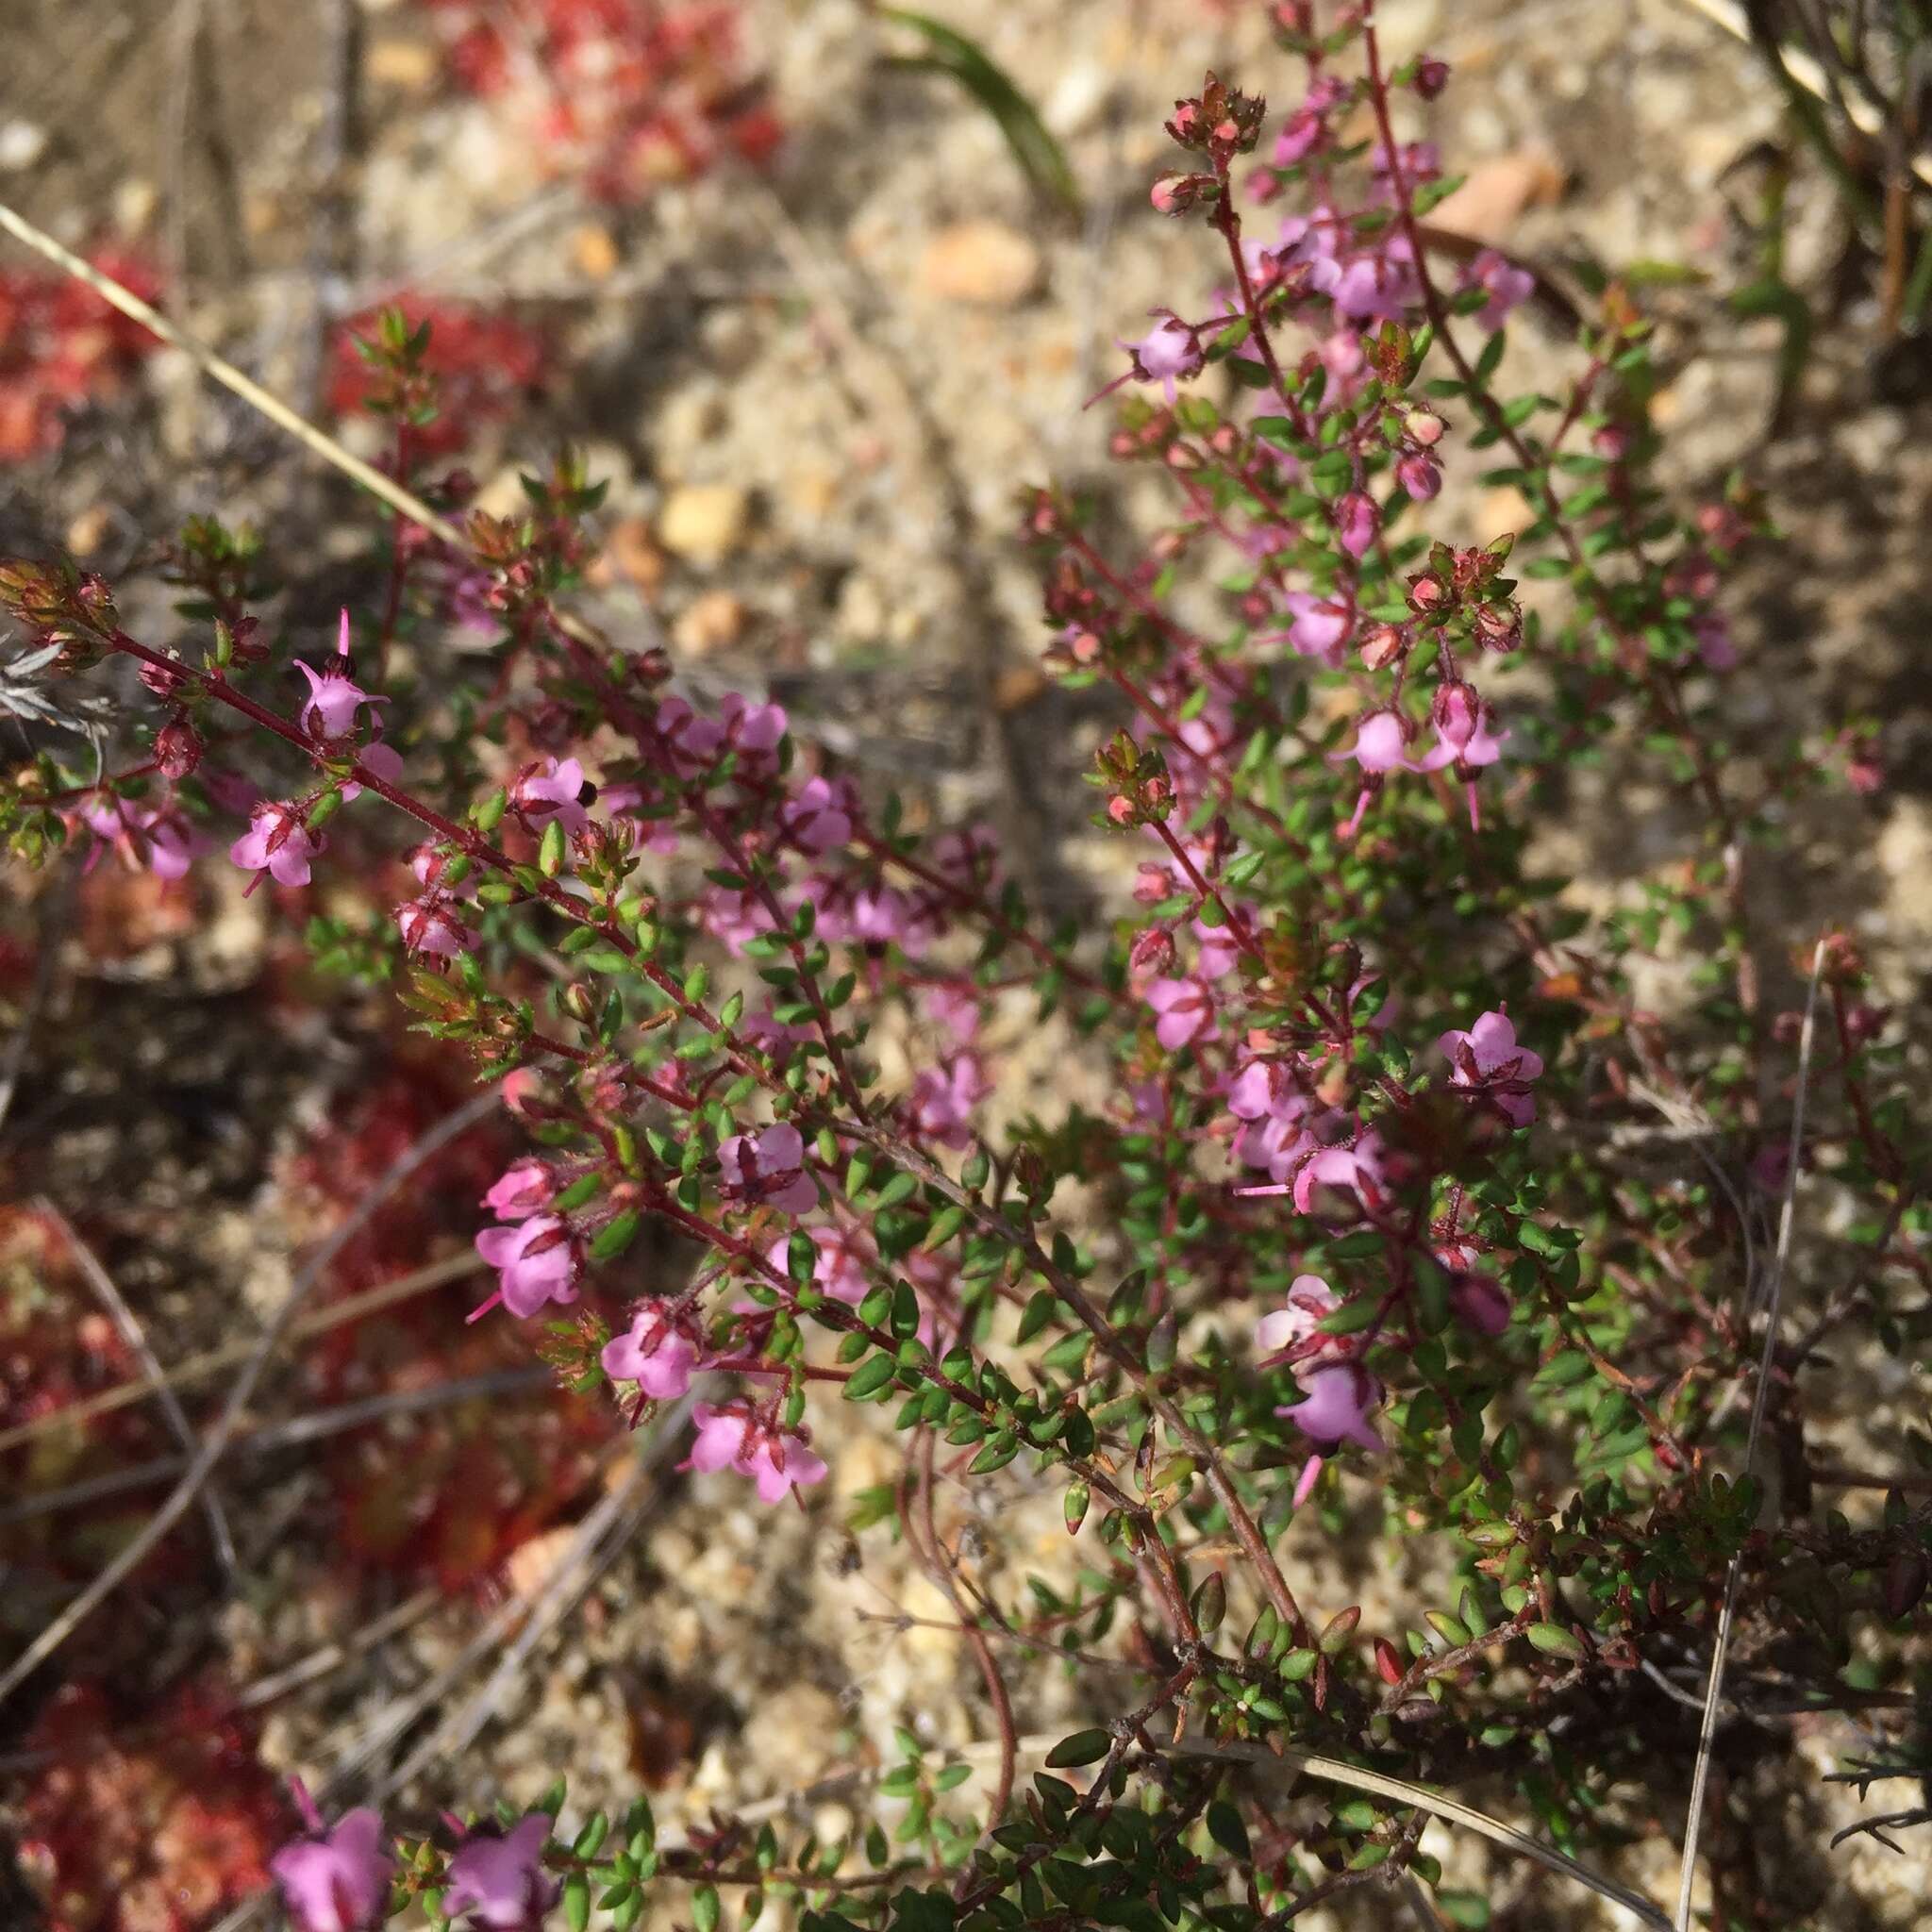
487, 365
61, 345
157, 1836
632, 91
447, 1495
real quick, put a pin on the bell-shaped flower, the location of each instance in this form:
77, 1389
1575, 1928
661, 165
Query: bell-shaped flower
499, 1881
776, 1458
378, 760
942, 1100
1338, 1397
658, 1354
768, 1169
551, 788
432, 925
1185, 1009
1169, 352
1309, 1300
1507, 285
278, 842
1356, 523
844, 1254
336, 1880
1321, 626
535, 1262
1484, 1061
522, 1189
818, 819
334, 698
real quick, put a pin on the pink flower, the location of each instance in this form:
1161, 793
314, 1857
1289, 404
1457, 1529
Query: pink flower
1481, 1305
769, 1167
1337, 1393
1302, 133
659, 1355
171, 842
551, 788
843, 1255
1220, 951
1169, 351
691, 741
380, 761
818, 819
1486, 1061
1337, 1399
535, 1263
1321, 626
1715, 645
500, 1881
1185, 1009
1309, 1300
1420, 476
336, 1881
1375, 287
522, 1189
1356, 523
753, 731
953, 1008
1381, 745
1508, 287
334, 698
943, 1099
278, 842
776, 1458
968, 856
431, 924
1462, 728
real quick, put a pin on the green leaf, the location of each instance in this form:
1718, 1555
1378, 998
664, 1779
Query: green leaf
949, 52
1554, 1641
869, 1378
1226, 1828
1083, 1747
615, 1236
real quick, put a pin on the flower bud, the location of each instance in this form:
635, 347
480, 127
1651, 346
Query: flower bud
1418, 475
1151, 951
1382, 646
1424, 426
177, 748
1431, 77
163, 680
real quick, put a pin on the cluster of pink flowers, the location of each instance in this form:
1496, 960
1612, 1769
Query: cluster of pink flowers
338, 1878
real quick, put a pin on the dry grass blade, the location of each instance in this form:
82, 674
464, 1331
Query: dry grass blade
130, 305
128, 1324
1809, 76
197, 1368
1355, 1777
214, 1445
1714, 1694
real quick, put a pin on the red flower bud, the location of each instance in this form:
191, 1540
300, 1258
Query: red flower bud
178, 747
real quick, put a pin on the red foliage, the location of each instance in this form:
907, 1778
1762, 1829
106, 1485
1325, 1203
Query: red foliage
60, 346
632, 91
447, 1495
486, 364
57, 1347
163, 1835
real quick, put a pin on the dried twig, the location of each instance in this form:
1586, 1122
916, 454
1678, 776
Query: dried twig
1773, 1298
313, 1427
128, 1322
215, 1442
